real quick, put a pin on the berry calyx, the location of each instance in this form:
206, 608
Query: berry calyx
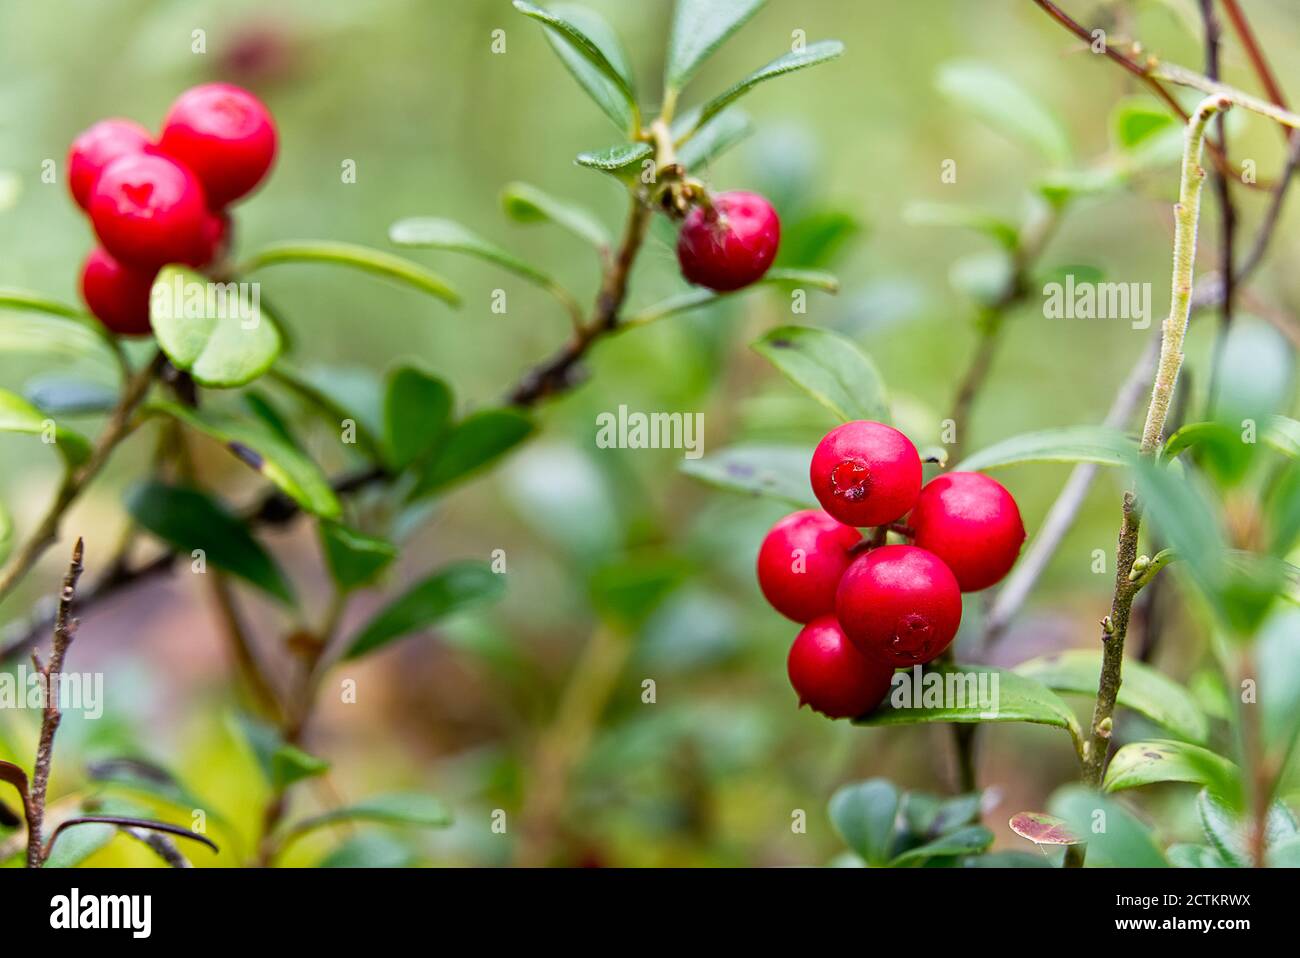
730, 243
148, 210
866, 473
831, 675
801, 561
98, 146
116, 293
225, 135
899, 604
972, 523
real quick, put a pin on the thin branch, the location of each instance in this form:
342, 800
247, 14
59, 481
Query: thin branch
1227, 212
128, 823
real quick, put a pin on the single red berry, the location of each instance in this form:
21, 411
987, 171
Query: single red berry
225, 135
866, 473
972, 523
116, 293
98, 146
899, 604
801, 561
731, 244
148, 210
832, 676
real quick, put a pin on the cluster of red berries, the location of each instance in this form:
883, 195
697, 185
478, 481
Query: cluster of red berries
869, 608
157, 202
729, 242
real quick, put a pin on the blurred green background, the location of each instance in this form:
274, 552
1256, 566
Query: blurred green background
615, 544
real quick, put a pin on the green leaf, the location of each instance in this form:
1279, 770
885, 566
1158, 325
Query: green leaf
591, 52
774, 472
951, 215
699, 28
417, 415
811, 55
1283, 434
1113, 836
57, 395
338, 394
1165, 760
61, 329
399, 808
188, 519
1144, 689
264, 451
370, 850
525, 203
830, 368
971, 840
432, 232
709, 141
972, 693
452, 589
1098, 444
473, 444
622, 161
930, 817
1194, 856
1136, 121
987, 93
363, 258
18, 415
210, 329
1230, 836
1042, 829
864, 815
281, 763
354, 558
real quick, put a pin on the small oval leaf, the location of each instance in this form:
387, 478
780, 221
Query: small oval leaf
830, 368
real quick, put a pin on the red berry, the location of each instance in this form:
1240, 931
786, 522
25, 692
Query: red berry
801, 561
831, 675
970, 522
730, 245
225, 135
117, 294
148, 210
899, 604
866, 473
98, 146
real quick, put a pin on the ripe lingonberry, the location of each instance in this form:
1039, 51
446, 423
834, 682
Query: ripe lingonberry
148, 210
801, 561
832, 676
730, 243
900, 604
116, 293
225, 135
866, 473
972, 523
98, 146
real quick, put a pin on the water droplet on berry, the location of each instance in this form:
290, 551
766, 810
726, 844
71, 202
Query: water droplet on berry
851, 480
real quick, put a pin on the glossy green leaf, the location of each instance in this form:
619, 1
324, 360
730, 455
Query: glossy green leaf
474, 444
525, 203
188, 519
452, 589
592, 53
1097, 444
354, 558
399, 808
339, 395
770, 471
949, 215
1136, 121
971, 840
811, 55
264, 451
710, 140
1165, 760
18, 415
376, 262
623, 161
1113, 835
431, 232
281, 763
864, 815
985, 92
830, 368
417, 415
1230, 835
1144, 689
211, 330
699, 28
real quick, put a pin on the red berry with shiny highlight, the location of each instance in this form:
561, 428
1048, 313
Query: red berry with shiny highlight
801, 561
832, 676
225, 135
117, 294
97, 147
731, 244
866, 473
148, 210
899, 604
972, 523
